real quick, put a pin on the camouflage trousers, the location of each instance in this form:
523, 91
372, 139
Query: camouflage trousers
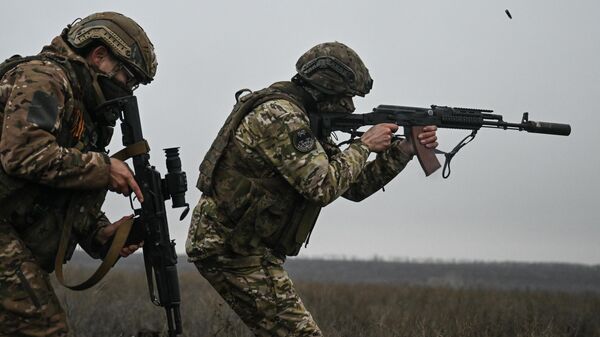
260, 291
28, 305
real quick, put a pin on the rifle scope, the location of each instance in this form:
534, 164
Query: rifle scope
175, 182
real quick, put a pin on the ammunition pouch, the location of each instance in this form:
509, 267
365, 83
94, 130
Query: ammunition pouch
290, 237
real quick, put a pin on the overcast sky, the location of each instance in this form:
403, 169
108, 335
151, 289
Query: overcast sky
511, 196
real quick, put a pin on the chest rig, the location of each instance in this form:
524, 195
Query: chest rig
262, 208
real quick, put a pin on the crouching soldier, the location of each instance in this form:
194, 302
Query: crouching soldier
54, 167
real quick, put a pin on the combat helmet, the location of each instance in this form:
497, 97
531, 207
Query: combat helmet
123, 36
334, 68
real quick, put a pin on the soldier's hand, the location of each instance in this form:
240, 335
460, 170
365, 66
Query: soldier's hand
122, 180
379, 137
428, 138
126, 251
107, 232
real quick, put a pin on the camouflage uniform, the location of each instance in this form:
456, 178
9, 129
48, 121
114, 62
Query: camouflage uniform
46, 144
234, 234
54, 168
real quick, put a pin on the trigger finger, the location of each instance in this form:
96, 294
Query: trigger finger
136, 189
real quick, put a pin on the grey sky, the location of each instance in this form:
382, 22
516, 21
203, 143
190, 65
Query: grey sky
511, 196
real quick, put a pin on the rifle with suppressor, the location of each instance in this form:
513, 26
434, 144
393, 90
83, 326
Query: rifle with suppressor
160, 258
413, 119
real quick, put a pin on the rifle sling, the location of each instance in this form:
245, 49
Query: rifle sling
132, 150
119, 239
449, 155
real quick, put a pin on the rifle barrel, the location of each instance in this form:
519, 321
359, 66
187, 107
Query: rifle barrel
547, 128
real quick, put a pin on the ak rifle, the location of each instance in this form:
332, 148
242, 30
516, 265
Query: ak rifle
150, 224
413, 119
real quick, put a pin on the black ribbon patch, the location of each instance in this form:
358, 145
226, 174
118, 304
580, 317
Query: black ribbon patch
303, 140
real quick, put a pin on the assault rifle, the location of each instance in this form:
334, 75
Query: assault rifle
160, 258
414, 119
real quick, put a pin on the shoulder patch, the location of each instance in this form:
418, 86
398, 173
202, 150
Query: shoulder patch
43, 110
303, 140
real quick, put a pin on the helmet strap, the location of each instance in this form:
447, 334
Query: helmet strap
316, 94
95, 85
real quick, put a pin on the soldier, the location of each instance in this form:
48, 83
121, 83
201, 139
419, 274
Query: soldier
52, 150
266, 177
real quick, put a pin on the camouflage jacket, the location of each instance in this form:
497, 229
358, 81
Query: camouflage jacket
275, 144
47, 145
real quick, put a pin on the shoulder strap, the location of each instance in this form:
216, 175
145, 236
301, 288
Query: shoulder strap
14, 61
11, 63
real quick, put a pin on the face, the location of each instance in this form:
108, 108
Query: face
103, 61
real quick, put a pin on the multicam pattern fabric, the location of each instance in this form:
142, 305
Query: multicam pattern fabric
260, 291
376, 174
46, 150
231, 251
28, 304
40, 105
207, 235
265, 137
334, 68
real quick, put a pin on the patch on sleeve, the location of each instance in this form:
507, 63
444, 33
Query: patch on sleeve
303, 140
43, 110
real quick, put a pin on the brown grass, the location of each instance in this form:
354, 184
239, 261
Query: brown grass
120, 306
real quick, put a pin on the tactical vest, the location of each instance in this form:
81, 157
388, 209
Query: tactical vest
263, 210
37, 212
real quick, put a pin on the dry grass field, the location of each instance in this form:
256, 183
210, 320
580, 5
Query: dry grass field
119, 306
